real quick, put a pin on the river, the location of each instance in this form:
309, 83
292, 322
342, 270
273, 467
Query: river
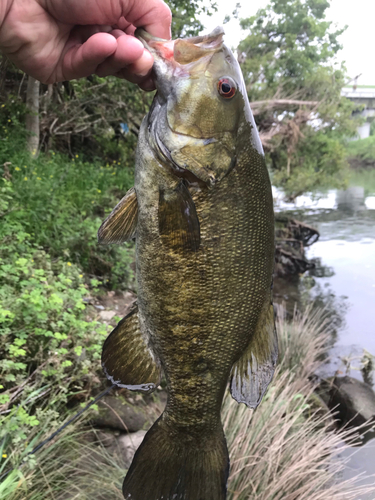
343, 280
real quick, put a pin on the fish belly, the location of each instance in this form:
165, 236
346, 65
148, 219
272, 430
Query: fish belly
201, 307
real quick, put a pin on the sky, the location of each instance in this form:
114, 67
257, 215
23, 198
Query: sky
358, 40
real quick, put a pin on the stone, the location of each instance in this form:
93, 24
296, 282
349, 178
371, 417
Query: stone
107, 315
110, 443
118, 414
353, 400
128, 445
107, 438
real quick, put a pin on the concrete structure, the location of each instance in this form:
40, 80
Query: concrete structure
363, 96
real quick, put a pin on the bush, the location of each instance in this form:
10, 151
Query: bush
49, 347
50, 343
361, 153
61, 202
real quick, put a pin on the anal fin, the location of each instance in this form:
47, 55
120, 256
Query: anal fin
126, 358
121, 223
252, 373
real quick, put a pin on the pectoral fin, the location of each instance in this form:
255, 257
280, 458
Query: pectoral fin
254, 370
126, 358
121, 224
178, 220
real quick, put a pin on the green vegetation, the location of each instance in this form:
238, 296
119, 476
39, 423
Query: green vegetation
51, 266
60, 202
361, 153
365, 178
185, 16
288, 61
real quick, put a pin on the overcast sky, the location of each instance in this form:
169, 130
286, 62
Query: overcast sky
358, 41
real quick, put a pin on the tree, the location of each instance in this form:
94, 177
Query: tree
32, 115
294, 84
185, 15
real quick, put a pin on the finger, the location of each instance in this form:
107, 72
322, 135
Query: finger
140, 71
153, 15
143, 66
129, 75
126, 26
129, 50
80, 34
83, 59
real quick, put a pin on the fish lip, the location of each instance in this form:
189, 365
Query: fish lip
210, 37
145, 37
163, 67
176, 59
207, 43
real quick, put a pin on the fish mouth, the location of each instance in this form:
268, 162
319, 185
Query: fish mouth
183, 50
175, 61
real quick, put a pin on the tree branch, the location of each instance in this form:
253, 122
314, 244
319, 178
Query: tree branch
260, 106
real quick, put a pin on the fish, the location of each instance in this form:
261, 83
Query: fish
201, 213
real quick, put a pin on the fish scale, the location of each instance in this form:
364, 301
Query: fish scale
202, 213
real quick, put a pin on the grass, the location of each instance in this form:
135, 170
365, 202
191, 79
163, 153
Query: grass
287, 449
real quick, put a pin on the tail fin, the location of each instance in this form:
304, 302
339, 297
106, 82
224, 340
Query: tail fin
173, 466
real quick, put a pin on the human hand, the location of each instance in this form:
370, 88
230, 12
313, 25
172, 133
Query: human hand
56, 40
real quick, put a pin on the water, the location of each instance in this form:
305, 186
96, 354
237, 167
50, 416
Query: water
343, 280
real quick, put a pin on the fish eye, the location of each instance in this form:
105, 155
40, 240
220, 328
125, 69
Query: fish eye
226, 87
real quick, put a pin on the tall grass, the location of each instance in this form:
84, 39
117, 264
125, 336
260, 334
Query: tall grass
287, 449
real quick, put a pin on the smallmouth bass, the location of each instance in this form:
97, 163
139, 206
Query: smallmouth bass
201, 211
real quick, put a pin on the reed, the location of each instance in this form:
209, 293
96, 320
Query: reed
288, 448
